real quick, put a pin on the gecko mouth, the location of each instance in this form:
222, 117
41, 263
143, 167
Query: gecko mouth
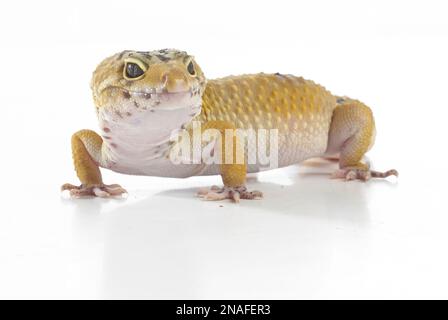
149, 93
152, 98
122, 102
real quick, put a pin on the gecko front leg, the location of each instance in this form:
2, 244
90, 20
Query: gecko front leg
86, 151
233, 174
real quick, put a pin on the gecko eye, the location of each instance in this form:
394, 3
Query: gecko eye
191, 69
132, 70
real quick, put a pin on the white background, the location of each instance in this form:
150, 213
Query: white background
311, 237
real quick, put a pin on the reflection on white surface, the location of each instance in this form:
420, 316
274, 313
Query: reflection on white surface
315, 237
311, 237
197, 249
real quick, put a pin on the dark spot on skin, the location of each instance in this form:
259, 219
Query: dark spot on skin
147, 95
162, 58
136, 104
152, 110
113, 145
157, 103
118, 114
148, 56
120, 56
105, 129
126, 95
128, 114
106, 137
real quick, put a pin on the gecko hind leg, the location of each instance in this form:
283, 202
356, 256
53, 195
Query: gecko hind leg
352, 134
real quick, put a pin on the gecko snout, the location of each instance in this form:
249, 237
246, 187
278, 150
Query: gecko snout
175, 80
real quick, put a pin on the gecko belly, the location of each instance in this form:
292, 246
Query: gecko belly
293, 148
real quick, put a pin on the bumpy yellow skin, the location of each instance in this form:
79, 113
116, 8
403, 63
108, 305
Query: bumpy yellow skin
310, 120
266, 101
300, 109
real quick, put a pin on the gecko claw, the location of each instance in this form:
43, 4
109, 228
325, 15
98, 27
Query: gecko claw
101, 191
362, 174
233, 193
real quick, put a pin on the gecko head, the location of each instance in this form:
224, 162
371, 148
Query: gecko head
163, 85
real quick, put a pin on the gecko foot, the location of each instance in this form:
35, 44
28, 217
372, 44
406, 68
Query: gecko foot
216, 193
362, 174
102, 190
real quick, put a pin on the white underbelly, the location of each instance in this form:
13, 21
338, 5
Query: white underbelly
161, 167
155, 161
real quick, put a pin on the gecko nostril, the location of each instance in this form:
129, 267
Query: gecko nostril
174, 81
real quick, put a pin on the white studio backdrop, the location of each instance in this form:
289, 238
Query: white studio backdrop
310, 238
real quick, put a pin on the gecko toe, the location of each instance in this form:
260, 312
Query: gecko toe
351, 174
252, 195
215, 196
